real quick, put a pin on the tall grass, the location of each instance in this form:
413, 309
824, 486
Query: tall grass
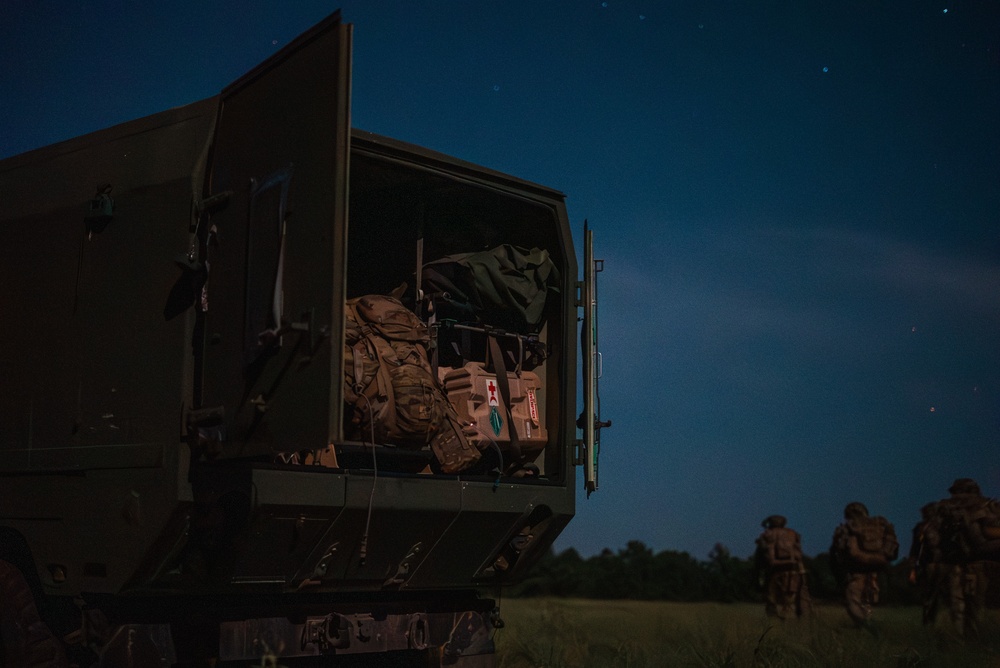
558, 633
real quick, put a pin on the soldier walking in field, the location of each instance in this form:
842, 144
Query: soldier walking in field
781, 570
927, 569
863, 546
970, 538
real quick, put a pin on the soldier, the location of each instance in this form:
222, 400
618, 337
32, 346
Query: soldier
862, 547
970, 537
781, 571
926, 568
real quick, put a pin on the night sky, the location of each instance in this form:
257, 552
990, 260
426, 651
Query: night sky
797, 203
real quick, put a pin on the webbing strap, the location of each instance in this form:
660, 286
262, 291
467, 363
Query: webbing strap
501, 371
359, 365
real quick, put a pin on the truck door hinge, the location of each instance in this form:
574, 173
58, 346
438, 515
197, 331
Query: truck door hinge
579, 452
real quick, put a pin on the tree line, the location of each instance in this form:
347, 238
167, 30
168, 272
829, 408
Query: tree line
637, 572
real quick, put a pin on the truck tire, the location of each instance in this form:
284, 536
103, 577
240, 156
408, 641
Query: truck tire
25, 640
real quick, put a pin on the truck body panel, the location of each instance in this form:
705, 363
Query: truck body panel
173, 427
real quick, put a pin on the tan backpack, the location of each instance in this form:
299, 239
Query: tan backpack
871, 543
393, 395
970, 528
781, 547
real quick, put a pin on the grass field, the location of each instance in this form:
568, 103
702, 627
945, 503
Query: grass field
557, 633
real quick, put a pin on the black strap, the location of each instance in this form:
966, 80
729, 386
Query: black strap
466, 336
501, 371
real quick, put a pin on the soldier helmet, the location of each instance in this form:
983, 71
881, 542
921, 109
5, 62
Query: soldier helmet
774, 522
855, 509
964, 486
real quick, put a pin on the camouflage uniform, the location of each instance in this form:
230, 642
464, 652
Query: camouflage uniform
857, 568
781, 571
970, 527
927, 570
860, 596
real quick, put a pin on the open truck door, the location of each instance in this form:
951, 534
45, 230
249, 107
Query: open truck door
273, 239
590, 419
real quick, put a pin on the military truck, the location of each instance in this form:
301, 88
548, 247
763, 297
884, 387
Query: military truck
191, 470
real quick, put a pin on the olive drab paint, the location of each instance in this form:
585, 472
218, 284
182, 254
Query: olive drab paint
174, 433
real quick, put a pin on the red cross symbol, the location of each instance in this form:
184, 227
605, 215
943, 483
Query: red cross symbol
493, 393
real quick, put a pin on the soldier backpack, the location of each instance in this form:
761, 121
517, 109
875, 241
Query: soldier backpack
781, 547
970, 529
871, 543
927, 540
393, 395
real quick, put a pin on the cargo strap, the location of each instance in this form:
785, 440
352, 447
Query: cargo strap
379, 391
501, 371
